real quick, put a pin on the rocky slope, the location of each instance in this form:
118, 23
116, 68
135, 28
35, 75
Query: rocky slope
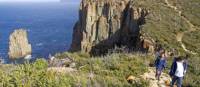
104, 24
19, 45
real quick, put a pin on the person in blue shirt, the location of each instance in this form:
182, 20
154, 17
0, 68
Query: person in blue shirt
161, 65
158, 56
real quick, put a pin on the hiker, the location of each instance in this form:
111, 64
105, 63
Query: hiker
158, 56
160, 65
177, 71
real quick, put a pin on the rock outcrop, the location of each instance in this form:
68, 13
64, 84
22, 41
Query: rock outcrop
104, 24
19, 45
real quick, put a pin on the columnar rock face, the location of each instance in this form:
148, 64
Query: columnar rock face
104, 24
18, 45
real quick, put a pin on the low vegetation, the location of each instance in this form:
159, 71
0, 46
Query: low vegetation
190, 9
193, 75
162, 23
108, 71
192, 41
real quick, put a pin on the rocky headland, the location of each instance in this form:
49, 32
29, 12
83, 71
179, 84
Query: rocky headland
104, 24
136, 25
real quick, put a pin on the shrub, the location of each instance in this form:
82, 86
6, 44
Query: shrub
40, 64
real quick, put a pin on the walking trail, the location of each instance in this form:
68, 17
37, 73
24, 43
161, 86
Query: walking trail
180, 35
153, 82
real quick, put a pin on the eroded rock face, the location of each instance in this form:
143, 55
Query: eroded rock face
18, 44
103, 24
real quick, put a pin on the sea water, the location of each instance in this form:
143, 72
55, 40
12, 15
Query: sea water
49, 26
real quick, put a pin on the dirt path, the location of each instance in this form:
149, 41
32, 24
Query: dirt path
150, 76
180, 35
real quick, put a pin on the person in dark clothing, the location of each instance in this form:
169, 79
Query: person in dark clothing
160, 65
185, 63
177, 71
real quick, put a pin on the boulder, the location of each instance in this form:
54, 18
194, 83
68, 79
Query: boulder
133, 80
18, 44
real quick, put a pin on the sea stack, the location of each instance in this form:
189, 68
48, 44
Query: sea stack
103, 24
18, 45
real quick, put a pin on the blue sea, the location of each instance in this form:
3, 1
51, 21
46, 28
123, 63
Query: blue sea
49, 26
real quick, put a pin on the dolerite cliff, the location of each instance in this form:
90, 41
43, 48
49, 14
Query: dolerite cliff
19, 45
104, 24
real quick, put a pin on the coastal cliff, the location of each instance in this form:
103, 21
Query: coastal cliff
104, 24
19, 45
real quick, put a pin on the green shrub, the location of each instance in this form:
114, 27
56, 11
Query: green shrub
40, 64
107, 71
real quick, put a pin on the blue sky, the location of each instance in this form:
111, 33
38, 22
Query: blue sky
37, 0
29, 0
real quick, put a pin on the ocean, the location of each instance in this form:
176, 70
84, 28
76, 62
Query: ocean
49, 26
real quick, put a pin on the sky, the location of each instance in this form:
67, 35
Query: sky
38, 0
29, 0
